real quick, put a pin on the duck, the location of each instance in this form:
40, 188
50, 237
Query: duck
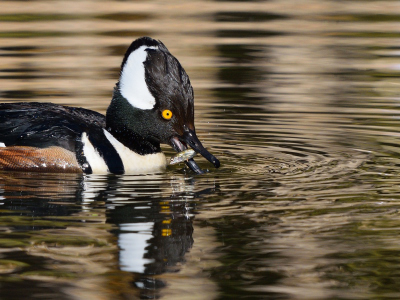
152, 104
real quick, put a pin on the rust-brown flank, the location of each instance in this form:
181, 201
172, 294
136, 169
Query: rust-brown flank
50, 160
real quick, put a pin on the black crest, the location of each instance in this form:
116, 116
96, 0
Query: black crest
144, 41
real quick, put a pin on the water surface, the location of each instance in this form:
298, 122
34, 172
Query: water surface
298, 99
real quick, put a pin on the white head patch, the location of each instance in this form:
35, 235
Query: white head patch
132, 83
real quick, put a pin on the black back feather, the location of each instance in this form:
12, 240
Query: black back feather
45, 124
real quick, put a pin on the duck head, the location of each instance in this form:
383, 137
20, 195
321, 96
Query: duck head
153, 103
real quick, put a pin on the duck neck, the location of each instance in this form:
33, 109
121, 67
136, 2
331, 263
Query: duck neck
125, 123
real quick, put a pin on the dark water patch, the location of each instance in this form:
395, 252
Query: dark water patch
243, 77
16, 70
247, 16
26, 94
242, 271
25, 72
124, 17
19, 94
39, 34
18, 51
22, 77
125, 33
364, 34
237, 94
238, 53
39, 17
244, 33
111, 73
390, 74
358, 17
117, 50
22, 271
240, 75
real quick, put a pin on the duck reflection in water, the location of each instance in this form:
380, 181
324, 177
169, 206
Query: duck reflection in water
154, 227
154, 233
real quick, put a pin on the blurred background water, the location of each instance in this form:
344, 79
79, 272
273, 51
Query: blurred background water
300, 101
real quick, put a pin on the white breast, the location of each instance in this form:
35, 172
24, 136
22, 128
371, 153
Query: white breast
135, 163
93, 157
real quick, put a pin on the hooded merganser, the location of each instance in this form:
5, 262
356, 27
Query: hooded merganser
152, 103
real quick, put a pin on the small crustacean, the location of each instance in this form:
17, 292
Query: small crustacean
182, 156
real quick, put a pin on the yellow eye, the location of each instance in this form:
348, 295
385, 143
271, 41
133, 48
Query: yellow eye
167, 114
